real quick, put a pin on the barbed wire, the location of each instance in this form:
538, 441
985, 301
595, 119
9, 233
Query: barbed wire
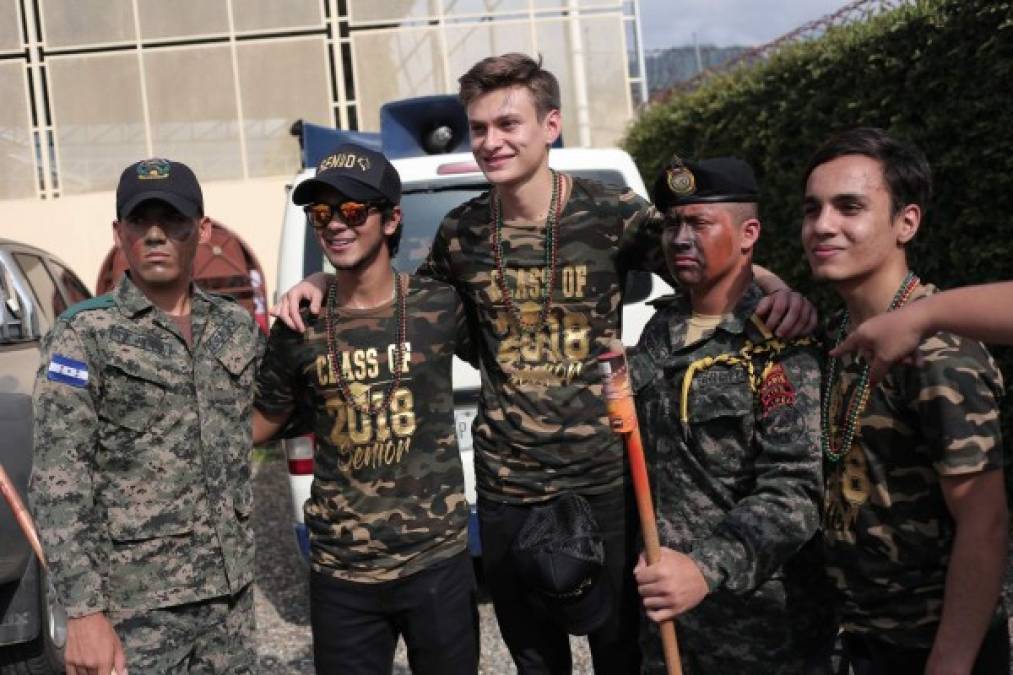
858, 10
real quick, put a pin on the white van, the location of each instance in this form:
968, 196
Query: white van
431, 186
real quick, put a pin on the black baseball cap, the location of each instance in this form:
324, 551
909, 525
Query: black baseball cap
559, 554
165, 180
707, 181
357, 173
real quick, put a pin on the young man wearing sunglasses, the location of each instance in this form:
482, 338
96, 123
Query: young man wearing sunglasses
540, 262
141, 483
371, 377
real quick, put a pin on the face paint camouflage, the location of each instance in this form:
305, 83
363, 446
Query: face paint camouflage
159, 244
700, 244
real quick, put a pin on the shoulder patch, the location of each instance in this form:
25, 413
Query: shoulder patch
776, 390
99, 302
67, 371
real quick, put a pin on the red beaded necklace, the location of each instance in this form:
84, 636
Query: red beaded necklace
551, 253
400, 338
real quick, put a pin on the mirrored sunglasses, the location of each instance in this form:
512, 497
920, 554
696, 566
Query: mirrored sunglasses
351, 213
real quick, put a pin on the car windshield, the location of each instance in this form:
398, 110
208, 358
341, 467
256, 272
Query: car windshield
422, 212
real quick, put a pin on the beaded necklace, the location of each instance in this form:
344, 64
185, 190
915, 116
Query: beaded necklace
401, 333
860, 395
551, 253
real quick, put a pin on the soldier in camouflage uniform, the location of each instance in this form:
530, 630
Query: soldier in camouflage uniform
540, 262
730, 419
915, 514
387, 514
141, 485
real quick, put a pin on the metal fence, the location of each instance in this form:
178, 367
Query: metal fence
853, 12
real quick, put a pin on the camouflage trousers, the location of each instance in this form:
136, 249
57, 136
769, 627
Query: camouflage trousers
208, 637
729, 634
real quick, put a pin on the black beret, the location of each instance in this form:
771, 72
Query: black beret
708, 181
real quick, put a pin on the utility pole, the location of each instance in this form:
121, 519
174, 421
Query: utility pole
696, 48
579, 74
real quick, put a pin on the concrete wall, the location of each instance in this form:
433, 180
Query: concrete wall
78, 229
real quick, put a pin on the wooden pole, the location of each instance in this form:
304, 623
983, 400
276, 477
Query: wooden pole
622, 413
24, 519
21, 515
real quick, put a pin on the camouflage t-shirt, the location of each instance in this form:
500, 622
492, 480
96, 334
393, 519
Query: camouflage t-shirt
387, 498
887, 529
541, 426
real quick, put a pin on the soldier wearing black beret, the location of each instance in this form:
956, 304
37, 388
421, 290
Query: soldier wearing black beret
730, 421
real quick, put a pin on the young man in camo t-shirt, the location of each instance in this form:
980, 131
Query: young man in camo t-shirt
541, 428
915, 519
371, 378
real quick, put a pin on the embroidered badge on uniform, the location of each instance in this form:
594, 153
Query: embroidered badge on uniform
67, 371
776, 391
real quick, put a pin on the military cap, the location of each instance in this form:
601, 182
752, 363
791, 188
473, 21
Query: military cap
707, 181
161, 179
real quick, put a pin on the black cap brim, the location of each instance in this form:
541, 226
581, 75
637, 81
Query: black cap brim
577, 615
348, 187
185, 206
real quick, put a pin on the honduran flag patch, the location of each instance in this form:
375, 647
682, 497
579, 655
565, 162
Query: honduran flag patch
68, 371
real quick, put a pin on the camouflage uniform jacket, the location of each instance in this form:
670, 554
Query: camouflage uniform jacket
887, 528
387, 498
738, 489
541, 426
141, 484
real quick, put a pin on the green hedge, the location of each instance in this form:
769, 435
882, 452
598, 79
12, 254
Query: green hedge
938, 73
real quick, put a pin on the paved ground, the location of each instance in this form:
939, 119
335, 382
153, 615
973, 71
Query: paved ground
282, 592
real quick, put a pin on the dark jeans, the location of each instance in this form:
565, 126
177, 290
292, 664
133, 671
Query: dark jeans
356, 625
537, 644
870, 656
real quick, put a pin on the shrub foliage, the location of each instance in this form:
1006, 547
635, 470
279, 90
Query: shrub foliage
938, 73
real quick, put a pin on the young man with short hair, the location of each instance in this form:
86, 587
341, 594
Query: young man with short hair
915, 519
540, 262
141, 483
371, 378
730, 422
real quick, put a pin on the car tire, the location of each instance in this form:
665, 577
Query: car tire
44, 654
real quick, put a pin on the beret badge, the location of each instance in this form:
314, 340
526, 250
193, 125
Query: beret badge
681, 180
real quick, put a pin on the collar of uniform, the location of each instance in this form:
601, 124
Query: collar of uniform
129, 297
734, 322
132, 301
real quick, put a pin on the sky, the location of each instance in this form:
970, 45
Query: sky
725, 23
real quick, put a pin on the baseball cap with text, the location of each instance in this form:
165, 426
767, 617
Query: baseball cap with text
357, 173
